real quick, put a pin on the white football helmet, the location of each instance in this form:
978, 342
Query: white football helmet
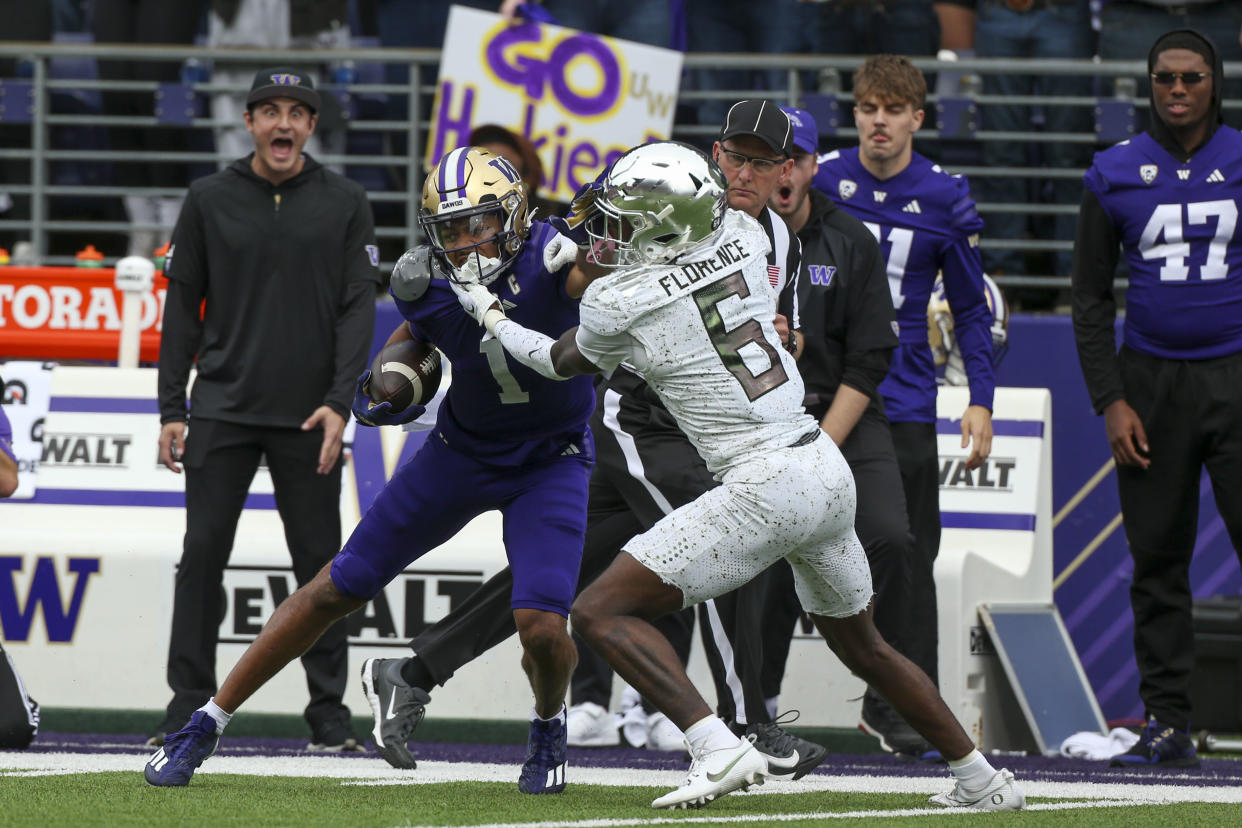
940, 334
659, 201
469, 189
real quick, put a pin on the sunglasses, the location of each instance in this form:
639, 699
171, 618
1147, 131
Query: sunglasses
1188, 78
761, 166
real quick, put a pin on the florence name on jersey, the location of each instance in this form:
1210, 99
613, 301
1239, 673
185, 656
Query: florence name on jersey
700, 332
926, 222
1178, 225
497, 409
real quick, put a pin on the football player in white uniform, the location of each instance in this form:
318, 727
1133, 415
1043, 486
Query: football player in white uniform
680, 292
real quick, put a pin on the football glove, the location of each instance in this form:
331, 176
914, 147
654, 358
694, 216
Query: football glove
380, 413
561, 252
479, 302
573, 225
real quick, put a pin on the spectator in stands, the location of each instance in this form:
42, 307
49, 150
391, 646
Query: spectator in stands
1172, 397
642, 21
145, 22
21, 23
1032, 29
283, 251
273, 24
1128, 27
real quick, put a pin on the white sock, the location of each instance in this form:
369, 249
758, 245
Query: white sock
710, 733
214, 711
973, 770
559, 716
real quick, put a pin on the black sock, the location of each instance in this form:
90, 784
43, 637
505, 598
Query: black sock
416, 674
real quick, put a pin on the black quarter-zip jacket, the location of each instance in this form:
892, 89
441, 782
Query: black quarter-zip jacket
288, 274
847, 311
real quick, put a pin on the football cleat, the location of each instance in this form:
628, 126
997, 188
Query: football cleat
546, 759
397, 711
590, 725
182, 752
1159, 746
1000, 794
716, 773
789, 757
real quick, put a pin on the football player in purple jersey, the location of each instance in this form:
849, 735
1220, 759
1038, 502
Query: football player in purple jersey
1172, 397
926, 222
505, 439
8, 460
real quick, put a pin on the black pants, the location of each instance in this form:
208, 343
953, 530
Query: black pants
919, 460
770, 603
19, 714
220, 461
1192, 413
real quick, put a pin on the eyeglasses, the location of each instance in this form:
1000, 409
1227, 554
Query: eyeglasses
1188, 78
761, 166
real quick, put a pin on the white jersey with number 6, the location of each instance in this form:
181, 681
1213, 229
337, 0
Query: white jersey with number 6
701, 333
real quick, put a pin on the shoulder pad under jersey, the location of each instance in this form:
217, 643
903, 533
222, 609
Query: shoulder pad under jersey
413, 272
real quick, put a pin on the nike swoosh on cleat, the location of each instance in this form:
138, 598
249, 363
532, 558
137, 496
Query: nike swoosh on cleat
788, 763
716, 777
391, 714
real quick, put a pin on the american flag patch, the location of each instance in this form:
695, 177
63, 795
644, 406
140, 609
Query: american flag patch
774, 274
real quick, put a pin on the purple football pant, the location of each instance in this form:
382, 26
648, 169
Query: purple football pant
435, 494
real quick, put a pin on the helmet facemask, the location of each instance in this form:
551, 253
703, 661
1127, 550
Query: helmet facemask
474, 213
660, 201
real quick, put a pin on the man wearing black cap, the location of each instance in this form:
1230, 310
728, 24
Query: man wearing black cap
1172, 397
282, 251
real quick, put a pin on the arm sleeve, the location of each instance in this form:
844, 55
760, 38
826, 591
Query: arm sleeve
869, 335
182, 326
355, 322
531, 348
1094, 307
972, 320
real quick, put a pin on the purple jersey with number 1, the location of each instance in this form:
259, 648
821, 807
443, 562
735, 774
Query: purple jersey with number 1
506, 438
926, 222
1178, 225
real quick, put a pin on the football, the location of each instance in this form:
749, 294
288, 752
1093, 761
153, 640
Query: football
405, 373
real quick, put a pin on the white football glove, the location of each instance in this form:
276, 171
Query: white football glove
479, 302
560, 252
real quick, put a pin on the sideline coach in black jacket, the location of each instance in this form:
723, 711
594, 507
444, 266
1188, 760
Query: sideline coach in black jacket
283, 253
850, 332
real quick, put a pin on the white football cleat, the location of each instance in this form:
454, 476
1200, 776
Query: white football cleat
1000, 794
590, 725
716, 773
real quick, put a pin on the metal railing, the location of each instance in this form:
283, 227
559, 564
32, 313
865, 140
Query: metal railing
36, 98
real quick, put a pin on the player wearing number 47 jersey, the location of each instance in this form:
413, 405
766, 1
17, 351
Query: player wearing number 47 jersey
926, 223
1172, 397
506, 439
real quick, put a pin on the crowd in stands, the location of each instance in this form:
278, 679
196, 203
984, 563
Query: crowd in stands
950, 29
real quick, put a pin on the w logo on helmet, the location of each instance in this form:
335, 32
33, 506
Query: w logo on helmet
286, 79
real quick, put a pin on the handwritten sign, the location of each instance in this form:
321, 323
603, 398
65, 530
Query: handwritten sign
581, 98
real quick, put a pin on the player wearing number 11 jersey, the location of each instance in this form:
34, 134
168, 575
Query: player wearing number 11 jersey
1172, 397
926, 222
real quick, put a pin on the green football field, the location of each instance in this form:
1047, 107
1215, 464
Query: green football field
242, 786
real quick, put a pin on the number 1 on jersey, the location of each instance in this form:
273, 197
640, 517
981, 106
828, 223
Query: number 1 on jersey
900, 240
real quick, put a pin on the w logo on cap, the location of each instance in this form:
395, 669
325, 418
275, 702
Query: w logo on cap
286, 79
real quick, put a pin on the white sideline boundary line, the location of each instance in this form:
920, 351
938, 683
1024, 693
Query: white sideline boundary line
786, 817
376, 772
